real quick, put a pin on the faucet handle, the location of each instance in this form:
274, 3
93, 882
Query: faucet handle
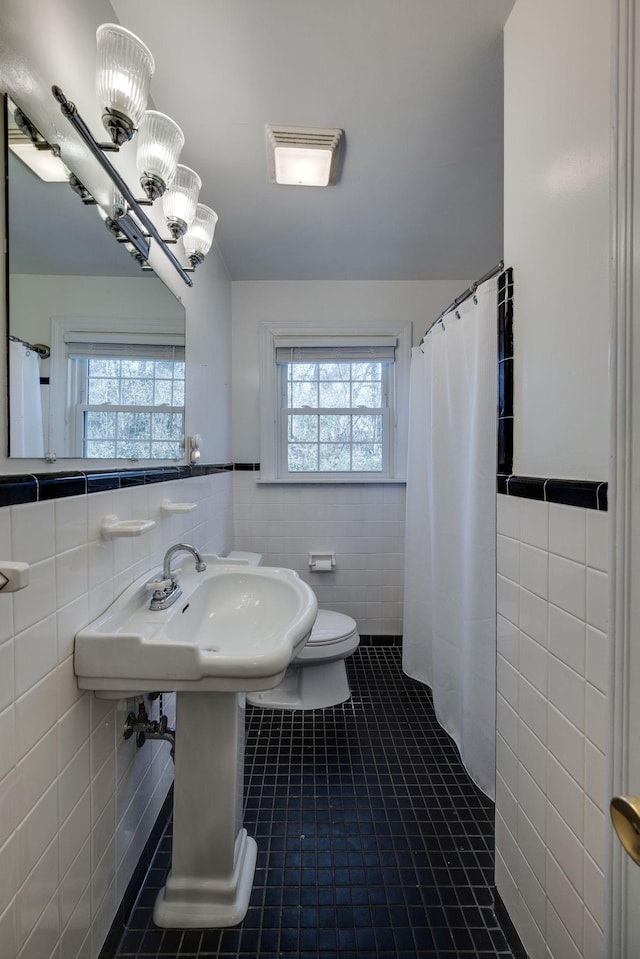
158, 585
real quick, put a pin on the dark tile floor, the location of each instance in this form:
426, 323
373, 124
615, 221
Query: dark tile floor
372, 841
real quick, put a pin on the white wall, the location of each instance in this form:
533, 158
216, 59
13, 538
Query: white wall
552, 681
35, 299
556, 232
552, 676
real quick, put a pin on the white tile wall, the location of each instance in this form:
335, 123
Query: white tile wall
551, 738
363, 525
77, 802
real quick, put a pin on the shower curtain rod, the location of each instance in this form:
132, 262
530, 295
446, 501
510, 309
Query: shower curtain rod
467, 293
43, 351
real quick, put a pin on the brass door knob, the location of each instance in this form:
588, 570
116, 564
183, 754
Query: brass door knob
625, 815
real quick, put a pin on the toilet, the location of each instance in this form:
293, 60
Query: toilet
317, 677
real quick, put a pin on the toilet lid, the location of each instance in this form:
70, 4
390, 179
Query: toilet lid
331, 627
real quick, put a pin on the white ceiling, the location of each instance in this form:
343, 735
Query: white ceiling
415, 84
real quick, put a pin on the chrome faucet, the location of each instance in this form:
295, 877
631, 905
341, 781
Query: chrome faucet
168, 589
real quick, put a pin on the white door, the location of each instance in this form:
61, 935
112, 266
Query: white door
623, 887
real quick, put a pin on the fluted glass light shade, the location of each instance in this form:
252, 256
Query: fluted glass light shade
160, 141
123, 75
179, 201
199, 236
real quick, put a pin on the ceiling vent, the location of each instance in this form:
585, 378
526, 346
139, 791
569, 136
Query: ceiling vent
303, 156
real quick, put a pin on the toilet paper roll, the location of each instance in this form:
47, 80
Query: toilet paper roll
322, 566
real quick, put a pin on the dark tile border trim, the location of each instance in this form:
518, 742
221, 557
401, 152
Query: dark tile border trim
588, 495
505, 372
116, 932
36, 487
583, 493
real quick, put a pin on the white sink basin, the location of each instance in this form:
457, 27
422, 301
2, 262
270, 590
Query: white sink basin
234, 628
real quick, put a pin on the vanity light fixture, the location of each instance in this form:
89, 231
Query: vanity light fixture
303, 156
124, 69
180, 201
160, 141
199, 236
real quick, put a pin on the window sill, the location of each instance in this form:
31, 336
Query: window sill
332, 481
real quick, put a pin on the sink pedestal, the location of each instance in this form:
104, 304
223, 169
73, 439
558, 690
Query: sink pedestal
213, 858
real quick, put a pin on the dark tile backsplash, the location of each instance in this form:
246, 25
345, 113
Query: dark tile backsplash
35, 487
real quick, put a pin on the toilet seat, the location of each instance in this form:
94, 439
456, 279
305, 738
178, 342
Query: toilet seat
331, 627
334, 636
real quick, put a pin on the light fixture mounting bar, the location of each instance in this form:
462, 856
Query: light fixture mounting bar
71, 113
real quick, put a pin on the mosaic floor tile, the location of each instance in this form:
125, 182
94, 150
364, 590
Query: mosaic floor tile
373, 843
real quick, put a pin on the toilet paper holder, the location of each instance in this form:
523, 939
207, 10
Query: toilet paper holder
322, 562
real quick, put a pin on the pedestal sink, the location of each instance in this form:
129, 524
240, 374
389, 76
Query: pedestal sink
235, 628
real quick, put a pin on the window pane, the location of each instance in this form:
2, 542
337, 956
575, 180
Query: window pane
163, 369
137, 392
335, 371
302, 457
103, 391
104, 367
303, 394
334, 394
134, 426
367, 429
99, 425
137, 368
303, 371
134, 451
366, 394
367, 457
303, 429
166, 426
335, 457
163, 393
98, 450
366, 371
178, 393
335, 429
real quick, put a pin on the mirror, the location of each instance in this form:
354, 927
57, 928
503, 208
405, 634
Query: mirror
113, 383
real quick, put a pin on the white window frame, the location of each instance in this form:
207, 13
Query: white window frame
62, 417
271, 430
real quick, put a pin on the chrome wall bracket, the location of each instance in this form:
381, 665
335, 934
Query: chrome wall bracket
97, 149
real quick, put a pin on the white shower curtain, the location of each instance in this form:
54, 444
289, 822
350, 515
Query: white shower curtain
450, 568
25, 404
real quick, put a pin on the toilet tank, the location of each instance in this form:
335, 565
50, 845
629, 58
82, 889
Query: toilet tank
242, 556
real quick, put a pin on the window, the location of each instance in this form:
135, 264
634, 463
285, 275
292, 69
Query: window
335, 408
117, 395
127, 400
